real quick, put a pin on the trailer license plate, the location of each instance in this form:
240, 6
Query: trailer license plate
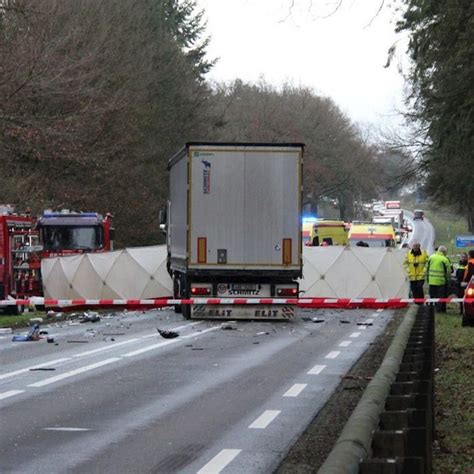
243, 289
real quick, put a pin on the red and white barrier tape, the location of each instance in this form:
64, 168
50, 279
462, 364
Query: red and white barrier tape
301, 302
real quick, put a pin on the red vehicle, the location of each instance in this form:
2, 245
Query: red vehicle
65, 233
19, 257
468, 309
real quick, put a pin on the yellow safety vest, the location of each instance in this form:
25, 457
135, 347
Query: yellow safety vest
415, 265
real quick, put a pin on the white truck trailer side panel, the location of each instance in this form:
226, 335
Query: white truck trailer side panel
178, 212
244, 202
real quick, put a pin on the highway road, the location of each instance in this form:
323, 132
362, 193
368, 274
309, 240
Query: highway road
126, 400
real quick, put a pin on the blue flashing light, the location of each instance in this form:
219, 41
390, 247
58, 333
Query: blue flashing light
309, 219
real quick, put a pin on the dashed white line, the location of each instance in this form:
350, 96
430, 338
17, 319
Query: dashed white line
27, 369
355, 334
265, 419
10, 393
66, 428
72, 373
295, 390
168, 342
220, 461
332, 354
379, 310
316, 370
368, 321
345, 343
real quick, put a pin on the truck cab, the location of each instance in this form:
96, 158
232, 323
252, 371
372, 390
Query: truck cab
65, 233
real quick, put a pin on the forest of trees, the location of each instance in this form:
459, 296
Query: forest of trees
97, 95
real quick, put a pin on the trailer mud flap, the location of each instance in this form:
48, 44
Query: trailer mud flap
266, 312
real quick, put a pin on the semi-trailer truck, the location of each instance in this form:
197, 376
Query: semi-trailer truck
233, 226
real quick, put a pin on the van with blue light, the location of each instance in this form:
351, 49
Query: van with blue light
324, 232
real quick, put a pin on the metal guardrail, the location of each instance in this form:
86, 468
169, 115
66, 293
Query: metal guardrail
391, 429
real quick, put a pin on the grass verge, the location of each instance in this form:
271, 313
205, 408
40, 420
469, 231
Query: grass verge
454, 395
21, 320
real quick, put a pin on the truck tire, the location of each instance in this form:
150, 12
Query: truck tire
16, 310
465, 320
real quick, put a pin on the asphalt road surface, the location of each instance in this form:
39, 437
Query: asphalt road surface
213, 399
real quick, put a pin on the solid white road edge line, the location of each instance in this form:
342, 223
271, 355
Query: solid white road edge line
332, 354
345, 343
316, 370
355, 334
219, 462
9, 394
72, 373
27, 369
295, 390
265, 419
168, 342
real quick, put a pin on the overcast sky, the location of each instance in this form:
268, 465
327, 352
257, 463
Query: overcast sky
340, 56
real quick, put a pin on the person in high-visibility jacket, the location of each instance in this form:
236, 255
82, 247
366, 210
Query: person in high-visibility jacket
439, 274
415, 265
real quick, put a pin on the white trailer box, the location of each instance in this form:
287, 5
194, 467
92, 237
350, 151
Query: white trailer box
234, 218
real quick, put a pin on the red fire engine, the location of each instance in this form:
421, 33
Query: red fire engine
19, 257
65, 233
24, 241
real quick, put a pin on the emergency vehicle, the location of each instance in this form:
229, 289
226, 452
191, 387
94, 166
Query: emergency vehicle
25, 241
326, 232
19, 257
372, 235
68, 232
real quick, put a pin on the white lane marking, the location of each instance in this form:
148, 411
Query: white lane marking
265, 419
375, 315
379, 310
295, 390
27, 369
9, 394
107, 348
66, 428
363, 327
368, 321
332, 354
345, 343
174, 329
355, 334
74, 372
317, 369
220, 461
168, 342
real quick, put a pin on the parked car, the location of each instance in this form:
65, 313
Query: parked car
468, 311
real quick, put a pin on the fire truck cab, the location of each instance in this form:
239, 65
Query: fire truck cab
66, 233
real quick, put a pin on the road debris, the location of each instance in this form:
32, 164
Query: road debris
167, 334
36, 369
43, 332
344, 321
36, 320
90, 317
317, 320
362, 323
33, 335
228, 327
78, 342
50, 340
262, 333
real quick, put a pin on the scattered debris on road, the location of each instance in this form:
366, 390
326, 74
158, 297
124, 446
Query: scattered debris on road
317, 320
36, 369
228, 327
78, 342
90, 317
344, 321
33, 335
167, 334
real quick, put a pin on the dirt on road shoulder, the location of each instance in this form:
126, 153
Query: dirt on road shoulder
312, 448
